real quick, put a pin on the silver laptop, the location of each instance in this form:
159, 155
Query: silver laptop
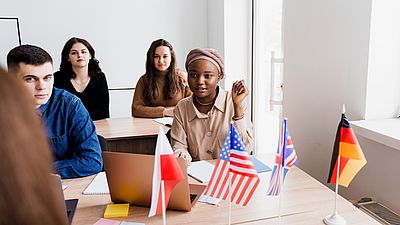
130, 178
68, 205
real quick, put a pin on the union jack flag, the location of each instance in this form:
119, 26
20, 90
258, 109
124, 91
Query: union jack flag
284, 159
234, 160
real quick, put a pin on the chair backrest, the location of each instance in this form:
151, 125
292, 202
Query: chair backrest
103, 143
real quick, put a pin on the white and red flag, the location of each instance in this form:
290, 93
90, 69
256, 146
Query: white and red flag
167, 171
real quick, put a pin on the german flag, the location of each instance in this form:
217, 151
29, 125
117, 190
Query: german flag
351, 156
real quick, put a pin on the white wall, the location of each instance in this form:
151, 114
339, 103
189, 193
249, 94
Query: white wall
237, 42
379, 179
215, 25
326, 63
120, 32
383, 92
8, 38
332, 49
229, 31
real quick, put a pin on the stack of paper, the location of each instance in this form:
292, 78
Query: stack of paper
167, 121
201, 170
115, 222
209, 200
107, 222
116, 210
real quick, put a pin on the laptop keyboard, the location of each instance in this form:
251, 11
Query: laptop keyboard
71, 206
192, 197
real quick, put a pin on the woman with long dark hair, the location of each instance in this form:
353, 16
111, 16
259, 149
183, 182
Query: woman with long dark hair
162, 86
80, 74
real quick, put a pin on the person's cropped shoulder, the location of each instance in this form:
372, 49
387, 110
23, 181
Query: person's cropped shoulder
60, 79
185, 102
100, 75
63, 95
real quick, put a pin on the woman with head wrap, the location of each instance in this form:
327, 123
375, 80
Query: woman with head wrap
202, 121
162, 86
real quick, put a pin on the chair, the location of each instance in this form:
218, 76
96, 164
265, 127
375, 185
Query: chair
103, 143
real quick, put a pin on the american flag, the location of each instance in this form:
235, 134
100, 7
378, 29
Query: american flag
284, 159
234, 160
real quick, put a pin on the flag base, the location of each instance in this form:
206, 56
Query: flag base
334, 219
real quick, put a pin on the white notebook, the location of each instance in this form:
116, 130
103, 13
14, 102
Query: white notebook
98, 186
201, 170
167, 121
208, 199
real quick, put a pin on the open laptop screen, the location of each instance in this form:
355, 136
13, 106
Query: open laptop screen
68, 205
129, 178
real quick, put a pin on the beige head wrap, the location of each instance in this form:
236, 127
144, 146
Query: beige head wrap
208, 54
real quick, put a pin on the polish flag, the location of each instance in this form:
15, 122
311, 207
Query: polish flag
167, 169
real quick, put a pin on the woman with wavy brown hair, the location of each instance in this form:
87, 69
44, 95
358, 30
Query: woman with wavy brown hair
162, 86
27, 194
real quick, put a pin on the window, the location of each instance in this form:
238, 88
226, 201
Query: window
268, 71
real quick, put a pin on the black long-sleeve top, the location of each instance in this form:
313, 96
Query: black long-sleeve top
95, 97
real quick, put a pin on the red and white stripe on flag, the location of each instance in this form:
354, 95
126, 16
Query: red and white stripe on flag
166, 168
233, 160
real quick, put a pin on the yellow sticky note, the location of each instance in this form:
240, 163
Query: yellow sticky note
116, 210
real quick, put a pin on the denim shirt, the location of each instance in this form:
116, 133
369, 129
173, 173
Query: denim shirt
72, 135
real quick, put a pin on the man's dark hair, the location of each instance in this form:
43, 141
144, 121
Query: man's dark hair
28, 54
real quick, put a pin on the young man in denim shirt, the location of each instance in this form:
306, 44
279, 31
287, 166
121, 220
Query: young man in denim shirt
72, 134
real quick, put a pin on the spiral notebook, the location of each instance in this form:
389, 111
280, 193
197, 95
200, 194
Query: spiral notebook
98, 186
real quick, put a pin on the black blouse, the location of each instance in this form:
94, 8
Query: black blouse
95, 97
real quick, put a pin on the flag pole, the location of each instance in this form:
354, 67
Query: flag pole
280, 195
280, 198
163, 203
230, 181
335, 218
337, 184
282, 173
230, 199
